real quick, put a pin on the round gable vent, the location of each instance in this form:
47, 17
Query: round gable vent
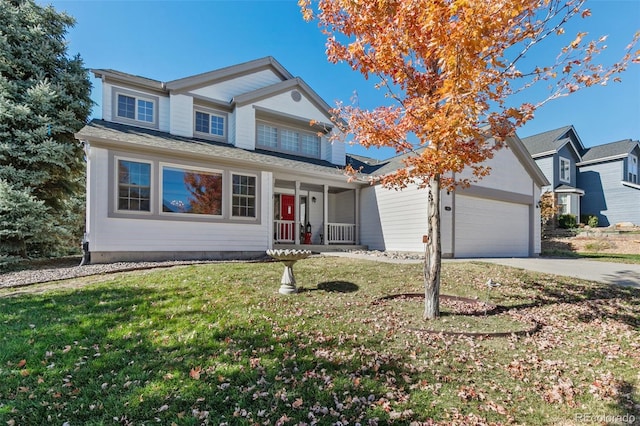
296, 96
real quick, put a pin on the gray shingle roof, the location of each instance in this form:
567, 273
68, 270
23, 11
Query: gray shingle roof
549, 141
115, 134
611, 150
100, 131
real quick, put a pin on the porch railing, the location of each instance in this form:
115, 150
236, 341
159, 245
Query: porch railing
340, 233
284, 231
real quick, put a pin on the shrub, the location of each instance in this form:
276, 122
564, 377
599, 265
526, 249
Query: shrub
567, 221
589, 219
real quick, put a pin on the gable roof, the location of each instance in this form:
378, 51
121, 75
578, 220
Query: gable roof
123, 77
552, 141
230, 72
514, 143
609, 151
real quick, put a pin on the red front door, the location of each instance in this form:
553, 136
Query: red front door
287, 212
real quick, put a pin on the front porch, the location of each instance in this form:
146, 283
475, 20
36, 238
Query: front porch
315, 216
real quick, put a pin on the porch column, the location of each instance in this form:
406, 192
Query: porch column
325, 214
357, 208
296, 225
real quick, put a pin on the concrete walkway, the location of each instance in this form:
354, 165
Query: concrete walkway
613, 273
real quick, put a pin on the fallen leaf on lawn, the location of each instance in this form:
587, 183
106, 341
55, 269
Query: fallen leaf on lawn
22, 363
195, 373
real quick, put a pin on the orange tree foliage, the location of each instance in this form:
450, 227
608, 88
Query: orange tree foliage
205, 192
451, 65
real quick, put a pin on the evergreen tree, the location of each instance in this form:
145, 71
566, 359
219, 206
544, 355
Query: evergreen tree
44, 100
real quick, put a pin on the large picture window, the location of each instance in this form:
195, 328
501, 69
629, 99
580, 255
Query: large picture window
279, 138
134, 186
243, 202
191, 191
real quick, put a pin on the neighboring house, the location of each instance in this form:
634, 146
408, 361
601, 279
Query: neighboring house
609, 175
230, 163
557, 152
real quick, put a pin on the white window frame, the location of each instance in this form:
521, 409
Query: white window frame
566, 197
232, 194
185, 167
116, 191
279, 132
632, 169
211, 112
138, 96
560, 163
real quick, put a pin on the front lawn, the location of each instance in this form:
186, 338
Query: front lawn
216, 344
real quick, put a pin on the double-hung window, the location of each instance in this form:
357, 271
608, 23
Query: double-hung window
243, 202
285, 139
632, 167
136, 108
565, 170
210, 124
134, 186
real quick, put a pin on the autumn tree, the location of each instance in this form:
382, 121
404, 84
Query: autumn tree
205, 192
451, 69
44, 100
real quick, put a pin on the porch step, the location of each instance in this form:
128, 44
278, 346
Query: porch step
321, 248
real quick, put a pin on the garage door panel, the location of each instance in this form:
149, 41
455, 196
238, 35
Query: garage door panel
489, 228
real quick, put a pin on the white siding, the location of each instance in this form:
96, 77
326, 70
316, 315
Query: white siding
245, 127
109, 234
284, 103
226, 90
107, 99
393, 220
182, 115
336, 150
537, 225
507, 174
490, 228
164, 111
231, 128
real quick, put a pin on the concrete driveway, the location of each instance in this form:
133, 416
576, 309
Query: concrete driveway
592, 270
613, 273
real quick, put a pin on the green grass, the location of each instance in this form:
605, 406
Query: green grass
214, 344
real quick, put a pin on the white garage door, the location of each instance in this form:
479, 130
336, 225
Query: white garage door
487, 228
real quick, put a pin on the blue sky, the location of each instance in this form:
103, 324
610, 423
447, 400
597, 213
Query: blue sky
166, 40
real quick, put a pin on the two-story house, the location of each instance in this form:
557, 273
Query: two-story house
232, 162
609, 175
557, 152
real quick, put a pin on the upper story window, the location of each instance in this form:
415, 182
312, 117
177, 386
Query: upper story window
285, 139
210, 124
565, 170
632, 167
135, 108
134, 186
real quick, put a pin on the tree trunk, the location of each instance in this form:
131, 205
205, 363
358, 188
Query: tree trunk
432, 255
